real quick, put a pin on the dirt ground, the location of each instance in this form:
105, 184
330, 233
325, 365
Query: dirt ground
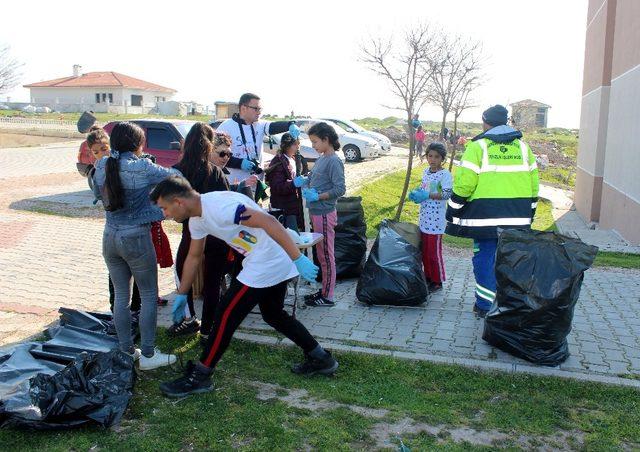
14, 140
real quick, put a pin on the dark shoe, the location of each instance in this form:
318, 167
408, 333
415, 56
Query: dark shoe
312, 366
320, 301
313, 296
479, 312
204, 338
184, 328
434, 287
162, 301
194, 381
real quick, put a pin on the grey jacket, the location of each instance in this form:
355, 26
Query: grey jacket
327, 176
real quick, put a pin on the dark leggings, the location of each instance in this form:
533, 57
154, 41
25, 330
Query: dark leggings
237, 303
215, 266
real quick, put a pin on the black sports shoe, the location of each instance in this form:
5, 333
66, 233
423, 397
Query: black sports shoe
312, 366
313, 296
479, 312
184, 328
194, 381
319, 301
204, 338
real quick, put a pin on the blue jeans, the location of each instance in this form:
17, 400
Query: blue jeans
484, 262
128, 251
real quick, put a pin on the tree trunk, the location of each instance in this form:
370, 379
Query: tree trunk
444, 123
407, 179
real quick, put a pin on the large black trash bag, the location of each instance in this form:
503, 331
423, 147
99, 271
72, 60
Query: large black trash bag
351, 237
393, 273
539, 275
94, 389
97, 321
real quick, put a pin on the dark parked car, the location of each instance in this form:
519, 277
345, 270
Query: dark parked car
164, 138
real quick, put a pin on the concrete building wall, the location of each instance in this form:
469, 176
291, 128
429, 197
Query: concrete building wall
608, 180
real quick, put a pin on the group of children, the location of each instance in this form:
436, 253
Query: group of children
221, 227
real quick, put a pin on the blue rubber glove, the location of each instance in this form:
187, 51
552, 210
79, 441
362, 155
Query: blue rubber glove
247, 165
411, 196
306, 268
420, 195
178, 307
300, 181
310, 194
294, 130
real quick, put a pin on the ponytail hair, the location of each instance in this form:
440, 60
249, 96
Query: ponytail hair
125, 137
324, 131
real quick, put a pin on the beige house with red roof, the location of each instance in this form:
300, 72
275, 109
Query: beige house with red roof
99, 91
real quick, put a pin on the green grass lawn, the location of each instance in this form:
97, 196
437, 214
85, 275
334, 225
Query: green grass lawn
366, 398
380, 201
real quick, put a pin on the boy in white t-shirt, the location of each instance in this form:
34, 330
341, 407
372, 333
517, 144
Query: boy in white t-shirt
271, 258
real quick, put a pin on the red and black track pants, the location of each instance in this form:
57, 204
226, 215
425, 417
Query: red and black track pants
237, 303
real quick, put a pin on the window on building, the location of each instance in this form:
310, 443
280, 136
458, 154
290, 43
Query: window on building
97, 98
158, 138
136, 100
110, 98
104, 97
541, 119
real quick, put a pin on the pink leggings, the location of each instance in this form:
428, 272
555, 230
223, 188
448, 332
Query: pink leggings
325, 225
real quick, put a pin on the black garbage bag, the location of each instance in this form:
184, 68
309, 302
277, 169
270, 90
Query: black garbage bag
393, 273
68, 342
97, 321
539, 276
93, 389
351, 237
86, 121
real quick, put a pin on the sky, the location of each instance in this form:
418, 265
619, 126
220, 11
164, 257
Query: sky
300, 56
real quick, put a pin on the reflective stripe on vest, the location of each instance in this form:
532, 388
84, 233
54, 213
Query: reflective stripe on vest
455, 205
479, 222
486, 168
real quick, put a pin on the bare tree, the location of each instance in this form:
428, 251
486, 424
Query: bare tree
455, 67
9, 70
461, 103
405, 65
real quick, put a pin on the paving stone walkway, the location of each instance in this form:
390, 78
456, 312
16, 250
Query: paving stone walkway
48, 261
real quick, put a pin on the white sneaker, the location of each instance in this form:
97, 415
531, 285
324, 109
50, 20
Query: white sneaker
158, 359
136, 354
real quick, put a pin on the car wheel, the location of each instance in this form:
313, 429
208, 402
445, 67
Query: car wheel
351, 153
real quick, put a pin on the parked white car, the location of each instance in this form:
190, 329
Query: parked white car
355, 147
350, 126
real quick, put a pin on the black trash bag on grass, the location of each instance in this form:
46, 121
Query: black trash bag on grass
539, 276
93, 389
393, 272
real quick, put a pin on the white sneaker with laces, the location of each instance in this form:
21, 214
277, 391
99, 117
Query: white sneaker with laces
158, 359
135, 355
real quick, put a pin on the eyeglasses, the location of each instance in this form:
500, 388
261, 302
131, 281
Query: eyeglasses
258, 109
224, 154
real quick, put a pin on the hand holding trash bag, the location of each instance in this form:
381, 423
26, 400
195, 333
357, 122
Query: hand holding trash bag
311, 194
419, 195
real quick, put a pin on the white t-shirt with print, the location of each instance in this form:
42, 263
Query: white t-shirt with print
433, 211
265, 263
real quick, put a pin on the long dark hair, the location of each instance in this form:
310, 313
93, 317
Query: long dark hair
125, 137
195, 165
323, 130
286, 142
